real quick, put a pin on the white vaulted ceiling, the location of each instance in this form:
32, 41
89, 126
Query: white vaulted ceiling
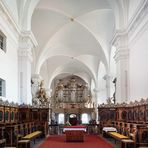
73, 36
78, 29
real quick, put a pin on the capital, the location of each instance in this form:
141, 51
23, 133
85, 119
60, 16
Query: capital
120, 39
36, 79
121, 54
106, 77
27, 40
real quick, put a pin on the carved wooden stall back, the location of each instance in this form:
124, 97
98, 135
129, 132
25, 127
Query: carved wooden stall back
35, 114
18, 121
12, 114
130, 115
146, 113
141, 114
24, 114
135, 114
44, 114
7, 114
1, 114
131, 119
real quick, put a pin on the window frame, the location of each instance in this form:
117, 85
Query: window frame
2, 41
2, 88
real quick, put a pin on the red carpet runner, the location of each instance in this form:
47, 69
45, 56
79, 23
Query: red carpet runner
91, 141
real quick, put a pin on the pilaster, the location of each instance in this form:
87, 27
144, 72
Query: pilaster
107, 78
26, 45
120, 41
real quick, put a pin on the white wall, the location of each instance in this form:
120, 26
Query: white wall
139, 68
112, 71
133, 4
9, 64
12, 8
102, 94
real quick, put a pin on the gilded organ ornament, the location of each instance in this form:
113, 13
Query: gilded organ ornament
72, 90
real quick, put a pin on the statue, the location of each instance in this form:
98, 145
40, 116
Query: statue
41, 98
110, 101
114, 94
35, 84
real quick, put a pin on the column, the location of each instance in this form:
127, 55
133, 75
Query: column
107, 78
26, 44
122, 63
96, 93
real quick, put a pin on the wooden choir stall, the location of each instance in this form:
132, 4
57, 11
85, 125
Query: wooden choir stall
21, 124
128, 120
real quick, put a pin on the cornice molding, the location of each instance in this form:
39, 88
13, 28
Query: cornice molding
28, 35
139, 22
135, 26
14, 27
118, 36
138, 16
10, 19
27, 43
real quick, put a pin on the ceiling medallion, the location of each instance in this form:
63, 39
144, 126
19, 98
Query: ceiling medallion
71, 19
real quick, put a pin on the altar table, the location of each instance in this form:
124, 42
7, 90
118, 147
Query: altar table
74, 133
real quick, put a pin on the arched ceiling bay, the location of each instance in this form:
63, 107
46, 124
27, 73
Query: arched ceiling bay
72, 40
74, 8
59, 65
76, 29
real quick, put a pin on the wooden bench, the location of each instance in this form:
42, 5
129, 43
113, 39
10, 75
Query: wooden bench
23, 144
123, 139
32, 136
2, 142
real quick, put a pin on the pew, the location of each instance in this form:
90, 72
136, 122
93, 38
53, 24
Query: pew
121, 138
32, 136
23, 144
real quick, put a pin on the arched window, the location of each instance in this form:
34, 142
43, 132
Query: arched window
61, 118
84, 118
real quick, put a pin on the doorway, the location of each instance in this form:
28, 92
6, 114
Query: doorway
73, 119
